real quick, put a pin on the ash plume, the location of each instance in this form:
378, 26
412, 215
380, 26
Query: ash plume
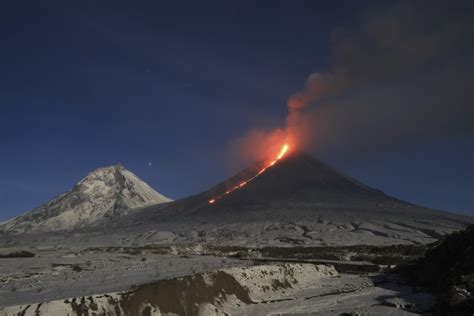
403, 75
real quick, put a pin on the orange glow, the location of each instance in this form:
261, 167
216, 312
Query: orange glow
284, 149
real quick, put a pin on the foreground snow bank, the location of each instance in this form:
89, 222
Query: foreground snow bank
202, 293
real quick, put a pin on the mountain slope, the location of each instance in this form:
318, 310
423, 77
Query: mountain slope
298, 201
105, 194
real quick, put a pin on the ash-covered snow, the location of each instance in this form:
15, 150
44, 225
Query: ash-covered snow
62, 273
253, 290
103, 195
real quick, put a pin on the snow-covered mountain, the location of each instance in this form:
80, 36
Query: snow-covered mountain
301, 201
297, 201
103, 195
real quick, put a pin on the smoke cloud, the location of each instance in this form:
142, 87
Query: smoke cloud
402, 76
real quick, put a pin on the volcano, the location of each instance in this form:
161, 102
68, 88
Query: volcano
298, 200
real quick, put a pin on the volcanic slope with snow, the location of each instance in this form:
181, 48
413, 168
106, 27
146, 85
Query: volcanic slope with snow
103, 195
297, 201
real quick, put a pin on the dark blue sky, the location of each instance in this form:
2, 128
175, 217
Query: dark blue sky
92, 83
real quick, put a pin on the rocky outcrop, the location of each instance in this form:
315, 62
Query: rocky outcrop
447, 269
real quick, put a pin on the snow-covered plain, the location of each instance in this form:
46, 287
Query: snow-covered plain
278, 289
61, 273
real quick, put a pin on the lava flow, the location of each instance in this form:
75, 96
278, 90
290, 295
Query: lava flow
283, 151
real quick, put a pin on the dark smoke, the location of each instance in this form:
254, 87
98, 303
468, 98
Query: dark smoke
405, 74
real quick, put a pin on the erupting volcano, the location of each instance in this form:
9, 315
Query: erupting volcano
284, 149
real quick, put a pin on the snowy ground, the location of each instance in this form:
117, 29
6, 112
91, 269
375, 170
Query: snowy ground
347, 294
276, 289
55, 274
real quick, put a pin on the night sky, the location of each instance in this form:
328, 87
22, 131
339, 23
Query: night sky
87, 84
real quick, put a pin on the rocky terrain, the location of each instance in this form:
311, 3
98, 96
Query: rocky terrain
447, 270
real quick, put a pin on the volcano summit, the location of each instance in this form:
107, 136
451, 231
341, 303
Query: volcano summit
299, 200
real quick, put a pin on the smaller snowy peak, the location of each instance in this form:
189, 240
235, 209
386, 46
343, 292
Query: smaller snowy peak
104, 194
131, 191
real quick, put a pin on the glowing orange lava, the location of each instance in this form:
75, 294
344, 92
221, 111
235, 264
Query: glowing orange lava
283, 151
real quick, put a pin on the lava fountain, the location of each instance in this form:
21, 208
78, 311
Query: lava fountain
284, 149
